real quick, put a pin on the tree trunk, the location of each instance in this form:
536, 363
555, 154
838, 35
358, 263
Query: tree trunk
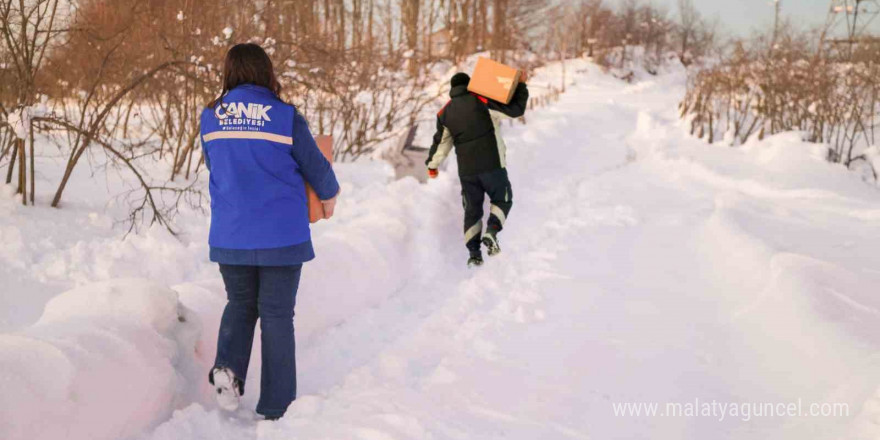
22, 171
410, 11
7, 144
12, 160
499, 37
68, 170
33, 173
127, 116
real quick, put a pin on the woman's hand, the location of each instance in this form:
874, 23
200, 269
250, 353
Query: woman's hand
330, 205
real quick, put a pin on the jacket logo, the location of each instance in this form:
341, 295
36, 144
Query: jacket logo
240, 110
507, 83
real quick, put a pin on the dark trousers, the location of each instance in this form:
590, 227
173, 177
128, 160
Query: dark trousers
267, 293
473, 190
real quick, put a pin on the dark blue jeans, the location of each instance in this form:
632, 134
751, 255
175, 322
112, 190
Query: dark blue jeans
267, 293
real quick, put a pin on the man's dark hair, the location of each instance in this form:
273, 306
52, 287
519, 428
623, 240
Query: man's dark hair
247, 64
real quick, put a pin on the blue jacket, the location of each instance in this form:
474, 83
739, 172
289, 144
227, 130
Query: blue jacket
260, 152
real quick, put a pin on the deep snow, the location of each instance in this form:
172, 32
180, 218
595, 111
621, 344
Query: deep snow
639, 265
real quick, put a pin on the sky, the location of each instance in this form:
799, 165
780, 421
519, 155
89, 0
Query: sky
739, 17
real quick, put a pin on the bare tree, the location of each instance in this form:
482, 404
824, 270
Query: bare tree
129, 78
410, 23
28, 29
689, 27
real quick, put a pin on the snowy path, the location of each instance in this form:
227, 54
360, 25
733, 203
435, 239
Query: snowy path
636, 269
447, 355
639, 265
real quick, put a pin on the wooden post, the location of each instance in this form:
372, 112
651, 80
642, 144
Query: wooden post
33, 174
7, 144
12, 160
22, 171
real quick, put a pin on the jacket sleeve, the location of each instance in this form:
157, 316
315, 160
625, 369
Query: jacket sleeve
202, 143
205, 153
314, 166
517, 106
441, 146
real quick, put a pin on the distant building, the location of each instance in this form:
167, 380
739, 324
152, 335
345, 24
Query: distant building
441, 43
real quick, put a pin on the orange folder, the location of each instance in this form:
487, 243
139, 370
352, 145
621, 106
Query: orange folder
316, 209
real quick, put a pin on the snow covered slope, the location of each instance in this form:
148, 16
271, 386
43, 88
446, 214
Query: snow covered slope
104, 361
639, 265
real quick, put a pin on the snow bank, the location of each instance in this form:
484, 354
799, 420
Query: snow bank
376, 243
42, 258
92, 341
785, 244
47, 251
99, 364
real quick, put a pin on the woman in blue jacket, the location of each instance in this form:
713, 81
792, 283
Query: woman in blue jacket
260, 153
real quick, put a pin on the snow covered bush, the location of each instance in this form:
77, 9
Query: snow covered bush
785, 83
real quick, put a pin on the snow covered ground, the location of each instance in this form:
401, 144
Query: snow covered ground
640, 266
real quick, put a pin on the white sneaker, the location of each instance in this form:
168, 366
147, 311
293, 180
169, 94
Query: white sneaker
227, 388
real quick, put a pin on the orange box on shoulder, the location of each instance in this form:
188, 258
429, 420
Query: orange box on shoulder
494, 80
316, 209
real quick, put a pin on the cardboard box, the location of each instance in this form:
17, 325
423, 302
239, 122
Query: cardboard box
316, 209
494, 80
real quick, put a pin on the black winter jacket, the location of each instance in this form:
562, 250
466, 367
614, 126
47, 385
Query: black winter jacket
470, 122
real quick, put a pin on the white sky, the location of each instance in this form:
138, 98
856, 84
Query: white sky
739, 17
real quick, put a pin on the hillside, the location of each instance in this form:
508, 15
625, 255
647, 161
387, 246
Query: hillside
640, 265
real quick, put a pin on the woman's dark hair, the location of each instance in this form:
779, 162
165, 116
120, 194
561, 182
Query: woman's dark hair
247, 64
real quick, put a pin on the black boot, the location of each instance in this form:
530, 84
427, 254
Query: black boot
475, 260
490, 240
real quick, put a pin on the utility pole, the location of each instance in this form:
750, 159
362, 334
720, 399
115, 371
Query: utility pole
848, 23
777, 12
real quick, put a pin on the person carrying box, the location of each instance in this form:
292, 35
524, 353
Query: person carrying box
471, 124
260, 153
